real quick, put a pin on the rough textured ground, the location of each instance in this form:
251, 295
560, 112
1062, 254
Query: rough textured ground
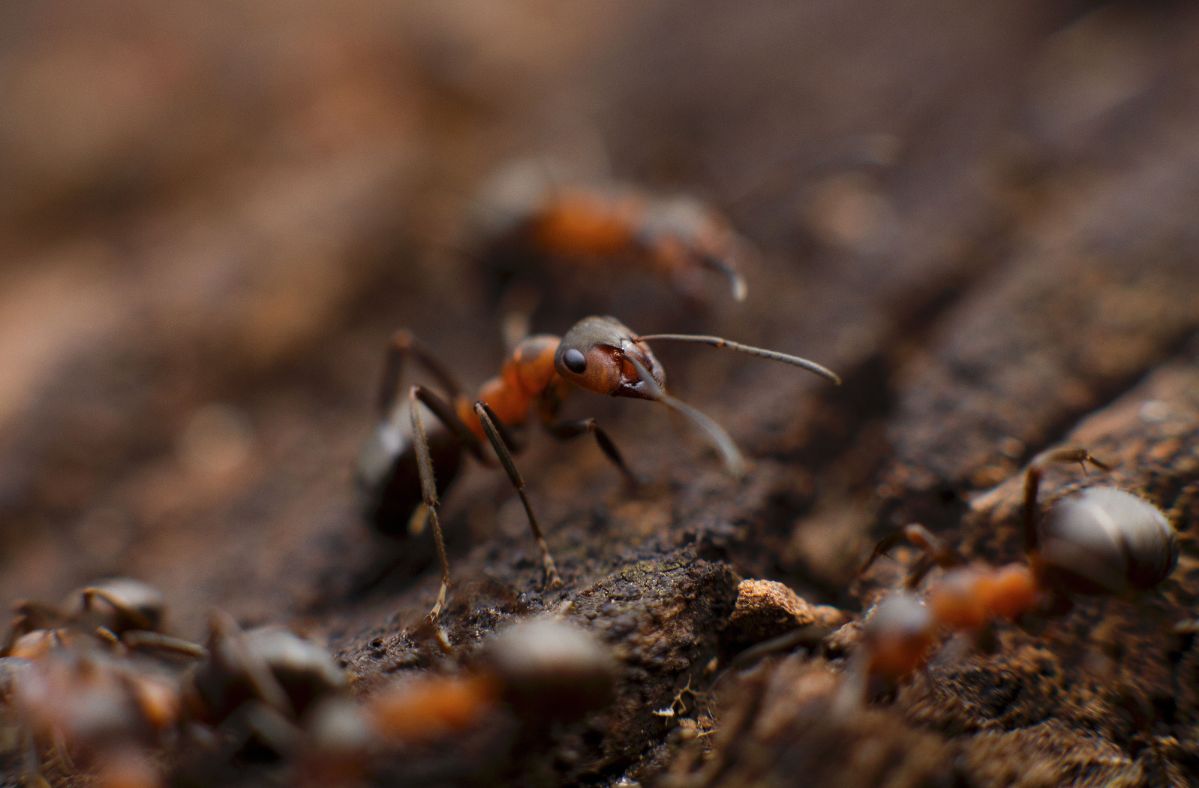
982, 218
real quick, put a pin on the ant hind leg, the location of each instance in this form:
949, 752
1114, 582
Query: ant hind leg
428, 487
402, 345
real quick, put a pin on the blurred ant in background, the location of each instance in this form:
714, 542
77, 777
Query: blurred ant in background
400, 462
94, 712
543, 670
259, 685
527, 227
78, 683
120, 612
1100, 541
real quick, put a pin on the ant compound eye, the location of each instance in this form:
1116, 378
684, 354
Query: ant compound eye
575, 361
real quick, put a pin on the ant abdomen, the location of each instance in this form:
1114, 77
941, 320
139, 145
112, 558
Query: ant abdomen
1106, 541
388, 477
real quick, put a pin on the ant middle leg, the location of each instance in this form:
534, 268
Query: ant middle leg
568, 430
1032, 484
489, 421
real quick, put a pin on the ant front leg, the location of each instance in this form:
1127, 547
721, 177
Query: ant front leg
489, 421
1032, 484
568, 430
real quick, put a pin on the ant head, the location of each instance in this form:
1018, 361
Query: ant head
602, 355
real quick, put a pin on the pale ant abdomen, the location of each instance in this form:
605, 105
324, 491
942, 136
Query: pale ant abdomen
1106, 541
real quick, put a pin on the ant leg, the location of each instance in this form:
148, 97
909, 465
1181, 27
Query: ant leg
21, 625
428, 489
123, 611
809, 636
1032, 484
567, 430
228, 644
488, 420
446, 414
418, 395
936, 552
138, 639
402, 345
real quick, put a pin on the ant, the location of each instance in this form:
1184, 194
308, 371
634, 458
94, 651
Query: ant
119, 611
95, 710
1100, 541
544, 670
398, 466
261, 682
523, 216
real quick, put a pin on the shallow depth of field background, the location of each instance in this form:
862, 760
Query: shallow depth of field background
212, 218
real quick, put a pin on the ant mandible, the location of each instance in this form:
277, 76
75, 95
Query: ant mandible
1100, 541
398, 465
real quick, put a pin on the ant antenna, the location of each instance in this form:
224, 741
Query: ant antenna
772, 355
720, 439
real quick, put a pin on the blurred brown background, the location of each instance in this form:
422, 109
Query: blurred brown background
211, 219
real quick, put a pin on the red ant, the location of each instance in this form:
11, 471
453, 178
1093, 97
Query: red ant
397, 468
1099, 541
523, 215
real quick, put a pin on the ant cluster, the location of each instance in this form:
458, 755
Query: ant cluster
1100, 541
99, 685
97, 688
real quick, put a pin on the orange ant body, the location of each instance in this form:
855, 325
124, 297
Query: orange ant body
1099, 541
398, 466
523, 216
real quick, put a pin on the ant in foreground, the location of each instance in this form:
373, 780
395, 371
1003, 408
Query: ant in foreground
398, 465
523, 215
1100, 541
